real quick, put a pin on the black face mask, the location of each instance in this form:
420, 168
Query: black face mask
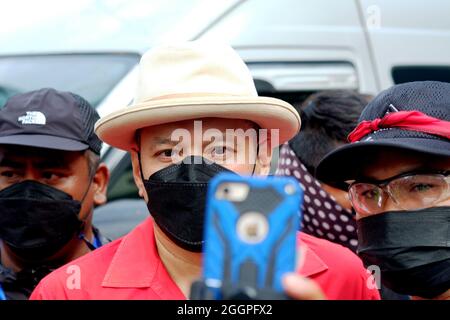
37, 220
177, 199
412, 249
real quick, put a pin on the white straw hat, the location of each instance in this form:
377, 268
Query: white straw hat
195, 80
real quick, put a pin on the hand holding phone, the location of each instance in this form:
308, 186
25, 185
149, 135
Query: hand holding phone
250, 237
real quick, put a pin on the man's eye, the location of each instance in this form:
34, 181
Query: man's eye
8, 174
219, 150
422, 187
50, 175
371, 194
165, 153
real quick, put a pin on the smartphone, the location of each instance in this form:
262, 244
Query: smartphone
251, 226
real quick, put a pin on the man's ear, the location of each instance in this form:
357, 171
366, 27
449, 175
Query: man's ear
100, 183
263, 160
137, 174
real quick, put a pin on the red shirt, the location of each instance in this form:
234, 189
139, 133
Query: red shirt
130, 268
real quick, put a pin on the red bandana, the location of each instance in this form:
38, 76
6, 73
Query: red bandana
406, 120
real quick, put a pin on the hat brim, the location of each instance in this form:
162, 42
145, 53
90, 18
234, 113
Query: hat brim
346, 163
118, 128
43, 141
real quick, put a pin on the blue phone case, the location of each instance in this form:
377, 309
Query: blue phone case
251, 243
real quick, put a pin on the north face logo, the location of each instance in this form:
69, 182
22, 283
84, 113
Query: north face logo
33, 117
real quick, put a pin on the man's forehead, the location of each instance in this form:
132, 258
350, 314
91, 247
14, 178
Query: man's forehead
392, 162
221, 124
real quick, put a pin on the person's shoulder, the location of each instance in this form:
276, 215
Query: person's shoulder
345, 276
332, 254
97, 258
84, 272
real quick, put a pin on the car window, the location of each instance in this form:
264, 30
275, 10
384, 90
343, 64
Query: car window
121, 185
402, 74
92, 76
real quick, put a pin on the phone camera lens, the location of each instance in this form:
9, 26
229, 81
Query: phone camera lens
289, 189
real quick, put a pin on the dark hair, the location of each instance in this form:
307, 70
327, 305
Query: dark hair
327, 119
93, 160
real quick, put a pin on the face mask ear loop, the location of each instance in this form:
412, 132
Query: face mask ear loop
81, 235
138, 151
91, 178
257, 153
140, 166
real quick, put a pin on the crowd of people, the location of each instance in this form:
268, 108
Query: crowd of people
374, 170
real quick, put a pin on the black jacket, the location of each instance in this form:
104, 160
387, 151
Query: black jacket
20, 285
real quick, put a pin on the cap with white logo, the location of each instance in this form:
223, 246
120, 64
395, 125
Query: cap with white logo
48, 118
33, 117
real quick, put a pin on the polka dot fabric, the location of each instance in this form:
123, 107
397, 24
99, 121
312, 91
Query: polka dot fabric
323, 217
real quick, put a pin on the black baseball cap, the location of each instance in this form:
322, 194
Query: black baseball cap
48, 118
431, 98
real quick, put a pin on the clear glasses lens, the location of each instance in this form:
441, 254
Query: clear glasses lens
418, 191
410, 192
367, 198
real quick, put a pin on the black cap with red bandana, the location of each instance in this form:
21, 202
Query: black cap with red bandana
413, 116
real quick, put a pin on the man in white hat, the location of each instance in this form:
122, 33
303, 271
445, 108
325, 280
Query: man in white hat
193, 116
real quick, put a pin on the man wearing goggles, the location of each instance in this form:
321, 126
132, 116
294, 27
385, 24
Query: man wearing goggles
406, 191
397, 172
